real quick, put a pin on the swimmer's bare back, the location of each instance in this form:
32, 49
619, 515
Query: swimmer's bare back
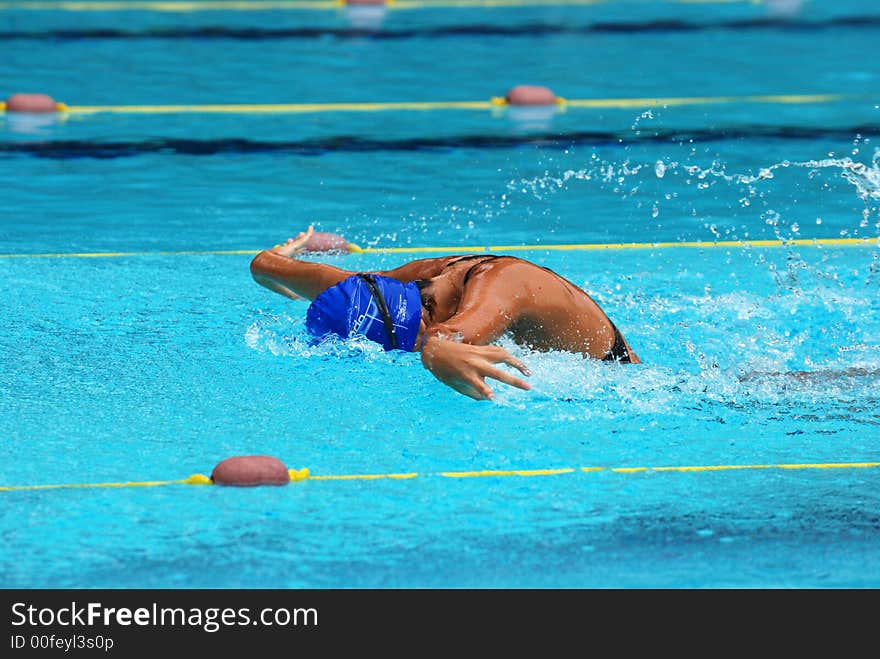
481, 297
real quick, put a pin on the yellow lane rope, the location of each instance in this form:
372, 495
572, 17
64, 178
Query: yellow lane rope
806, 242
279, 108
185, 6
297, 475
475, 249
790, 99
425, 106
518, 472
354, 477
104, 255
195, 479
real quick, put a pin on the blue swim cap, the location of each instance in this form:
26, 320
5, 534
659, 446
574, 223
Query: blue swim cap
382, 309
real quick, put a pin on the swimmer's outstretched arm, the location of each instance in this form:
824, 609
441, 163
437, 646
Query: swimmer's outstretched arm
457, 351
465, 367
280, 271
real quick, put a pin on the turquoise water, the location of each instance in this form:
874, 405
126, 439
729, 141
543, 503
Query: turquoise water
158, 364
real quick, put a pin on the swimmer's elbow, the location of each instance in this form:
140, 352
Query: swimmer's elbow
260, 265
261, 269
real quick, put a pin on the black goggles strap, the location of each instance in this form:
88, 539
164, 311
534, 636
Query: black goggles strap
370, 281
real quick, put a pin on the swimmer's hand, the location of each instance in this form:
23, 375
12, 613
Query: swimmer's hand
294, 246
464, 367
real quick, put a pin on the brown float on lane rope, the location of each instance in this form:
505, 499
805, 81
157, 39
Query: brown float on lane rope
249, 470
327, 242
31, 103
530, 95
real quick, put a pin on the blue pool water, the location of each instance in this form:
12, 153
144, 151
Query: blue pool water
159, 362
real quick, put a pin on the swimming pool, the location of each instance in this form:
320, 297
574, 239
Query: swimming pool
742, 453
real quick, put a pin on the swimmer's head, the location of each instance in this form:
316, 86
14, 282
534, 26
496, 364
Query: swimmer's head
379, 308
440, 296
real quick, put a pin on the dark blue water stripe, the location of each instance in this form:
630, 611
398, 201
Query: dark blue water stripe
478, 30
69, 149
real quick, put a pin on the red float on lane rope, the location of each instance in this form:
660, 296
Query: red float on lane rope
31, 103
530, 95
327, 242
250, 470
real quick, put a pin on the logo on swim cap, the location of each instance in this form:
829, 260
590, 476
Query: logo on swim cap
382, 309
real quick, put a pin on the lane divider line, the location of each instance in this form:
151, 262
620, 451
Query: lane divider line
476, 249
519, 472
297, 475
188, 6
424, 106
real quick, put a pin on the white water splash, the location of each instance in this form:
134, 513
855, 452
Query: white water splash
605, 172
864, 177
601, 390
285, 336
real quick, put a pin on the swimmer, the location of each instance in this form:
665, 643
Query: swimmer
450, 309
